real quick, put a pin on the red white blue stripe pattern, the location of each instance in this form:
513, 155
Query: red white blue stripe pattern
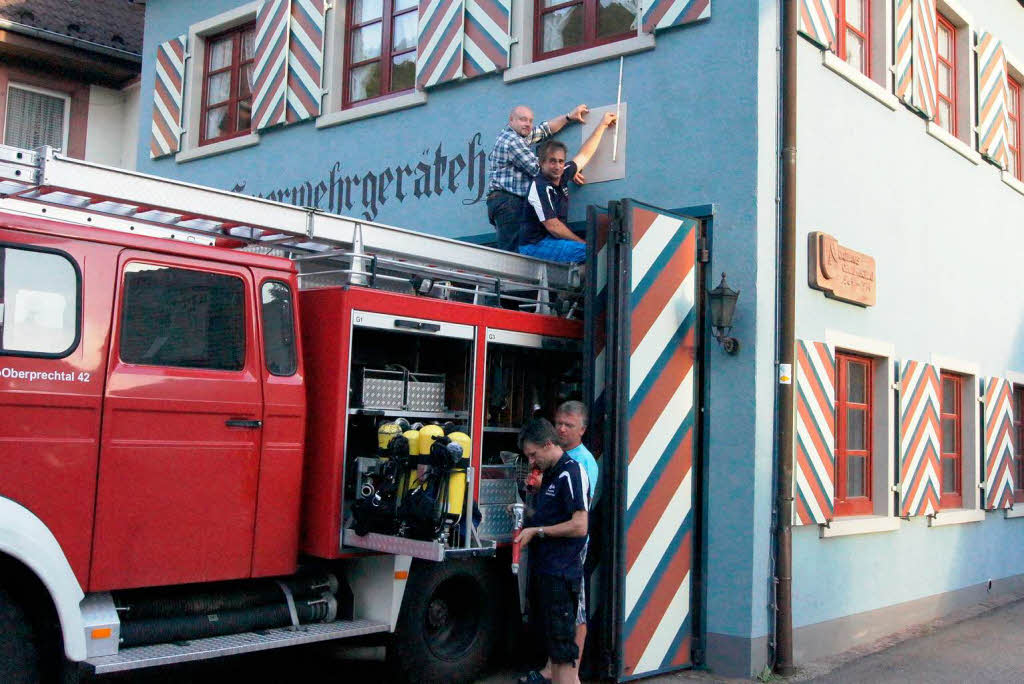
663, 14
999, 450
904, 68
439, 42
305, 59
925, 41
168, 89
818, 21
659, 484
993, 121
919, 439
487, 39
271, 65
815, 466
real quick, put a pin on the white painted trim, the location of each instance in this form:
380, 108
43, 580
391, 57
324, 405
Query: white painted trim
952, 10
225, 20
25, 537
864, 345
1011, 181
952, 142
958, 516
572, 60
392, 104
869, 524
1011, 513
954, 365
853, 76
1015, 377
219, 147
965, 75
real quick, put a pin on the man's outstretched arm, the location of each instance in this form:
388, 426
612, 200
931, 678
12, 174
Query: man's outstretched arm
582, 157
578, 113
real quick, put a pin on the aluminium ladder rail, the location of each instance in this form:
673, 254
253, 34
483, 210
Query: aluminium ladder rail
152, 205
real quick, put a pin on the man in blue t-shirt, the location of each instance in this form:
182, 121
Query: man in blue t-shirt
543, 232
556, 532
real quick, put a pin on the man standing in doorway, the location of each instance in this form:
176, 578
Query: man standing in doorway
558, 531
511, 166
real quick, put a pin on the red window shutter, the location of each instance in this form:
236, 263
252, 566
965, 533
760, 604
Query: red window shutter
305, 59
815, 449
168, 91
993, 124
270, 70
439, 42
919, 439
999, 447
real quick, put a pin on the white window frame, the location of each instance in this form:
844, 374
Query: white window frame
883, 435
332, 112
970, 456
192, 100
965, 142
66, 124
1015, 378
522, 66
1015, 70
880, 84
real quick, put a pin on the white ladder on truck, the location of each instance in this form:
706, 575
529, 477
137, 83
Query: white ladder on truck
328, 249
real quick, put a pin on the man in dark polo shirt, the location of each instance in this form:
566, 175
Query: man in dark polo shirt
543, 232
556, 533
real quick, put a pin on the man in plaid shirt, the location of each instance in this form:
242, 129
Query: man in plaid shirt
512, 164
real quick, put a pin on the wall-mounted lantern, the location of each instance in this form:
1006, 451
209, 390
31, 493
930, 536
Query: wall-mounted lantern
722, 305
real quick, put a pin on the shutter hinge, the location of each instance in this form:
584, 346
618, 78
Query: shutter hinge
896, 386
897, 488
703, 255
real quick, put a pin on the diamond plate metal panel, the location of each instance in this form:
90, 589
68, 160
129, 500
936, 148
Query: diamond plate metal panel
426, 396
497, 492
496, 522
382, 393
399, 546
216, 647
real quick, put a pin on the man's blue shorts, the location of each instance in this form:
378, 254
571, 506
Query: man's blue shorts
556, 249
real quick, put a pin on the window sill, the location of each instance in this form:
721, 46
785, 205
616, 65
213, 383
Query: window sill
221, 147
954, 143
1017, 512
832, 62
957, 516
866, 524
577, 59
393, 104
1012, 182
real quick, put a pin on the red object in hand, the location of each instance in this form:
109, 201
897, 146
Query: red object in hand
517, 512
533, 480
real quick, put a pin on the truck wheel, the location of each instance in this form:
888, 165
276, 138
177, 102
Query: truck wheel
449, 622
19, 655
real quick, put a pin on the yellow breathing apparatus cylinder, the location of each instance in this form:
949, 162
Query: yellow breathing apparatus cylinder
427, 434
414, 450
386, 432
457, 478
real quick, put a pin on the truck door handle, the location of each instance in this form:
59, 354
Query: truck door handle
238, 422
416, 325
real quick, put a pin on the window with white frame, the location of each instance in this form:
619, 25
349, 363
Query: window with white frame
36, 117
954, 72
959, 451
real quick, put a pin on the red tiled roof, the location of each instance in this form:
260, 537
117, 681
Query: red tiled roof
111, 23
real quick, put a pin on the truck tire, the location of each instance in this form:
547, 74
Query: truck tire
19, 650
449, 622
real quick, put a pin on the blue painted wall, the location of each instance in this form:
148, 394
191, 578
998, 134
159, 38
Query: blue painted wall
693, 140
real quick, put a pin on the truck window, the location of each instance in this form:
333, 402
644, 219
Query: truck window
38, 303
278, 328
180, 317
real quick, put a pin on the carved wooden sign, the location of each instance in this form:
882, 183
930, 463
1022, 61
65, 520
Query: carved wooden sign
840, 272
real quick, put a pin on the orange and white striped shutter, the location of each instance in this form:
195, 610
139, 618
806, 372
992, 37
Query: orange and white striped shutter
818, 21
903, 70
925, 42
168, 92
993, 121
815, 449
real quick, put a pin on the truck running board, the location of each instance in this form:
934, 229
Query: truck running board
426, 550
233, 644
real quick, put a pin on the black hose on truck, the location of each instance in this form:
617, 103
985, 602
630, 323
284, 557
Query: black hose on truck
185, 627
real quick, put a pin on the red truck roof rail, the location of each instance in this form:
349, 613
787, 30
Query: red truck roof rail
328, 249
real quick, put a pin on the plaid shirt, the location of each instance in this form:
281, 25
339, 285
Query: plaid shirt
512, 164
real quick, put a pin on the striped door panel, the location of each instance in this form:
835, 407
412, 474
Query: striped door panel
815, 453
919, 439
663, 14
596, 322
993, 122
271, 65
999, 448
925, 42
305, 60
903, 70
818, 21
486, 41
168, 90
439, 42
659, 397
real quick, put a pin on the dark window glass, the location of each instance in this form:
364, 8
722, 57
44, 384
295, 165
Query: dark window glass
563, 26
38, 302
180, 317
381, 56
278, 328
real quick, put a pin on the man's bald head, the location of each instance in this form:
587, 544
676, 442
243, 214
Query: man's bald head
520, 120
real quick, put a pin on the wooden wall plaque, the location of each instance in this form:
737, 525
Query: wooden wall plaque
840, 272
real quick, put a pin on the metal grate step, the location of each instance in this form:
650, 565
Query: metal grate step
234, 644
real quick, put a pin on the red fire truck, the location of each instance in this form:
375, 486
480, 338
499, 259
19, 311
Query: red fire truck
220, 419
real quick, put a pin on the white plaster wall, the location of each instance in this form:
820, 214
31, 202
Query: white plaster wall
112, 134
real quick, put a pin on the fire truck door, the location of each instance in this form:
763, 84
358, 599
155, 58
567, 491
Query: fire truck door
643, 330
182, 425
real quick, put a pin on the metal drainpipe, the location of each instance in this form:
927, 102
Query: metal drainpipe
786, 263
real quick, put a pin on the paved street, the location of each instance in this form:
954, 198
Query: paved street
981, 645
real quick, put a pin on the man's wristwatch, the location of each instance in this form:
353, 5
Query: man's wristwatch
540, 532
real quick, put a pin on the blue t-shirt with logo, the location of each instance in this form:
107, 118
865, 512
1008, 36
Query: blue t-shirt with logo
561, 494
582, 455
